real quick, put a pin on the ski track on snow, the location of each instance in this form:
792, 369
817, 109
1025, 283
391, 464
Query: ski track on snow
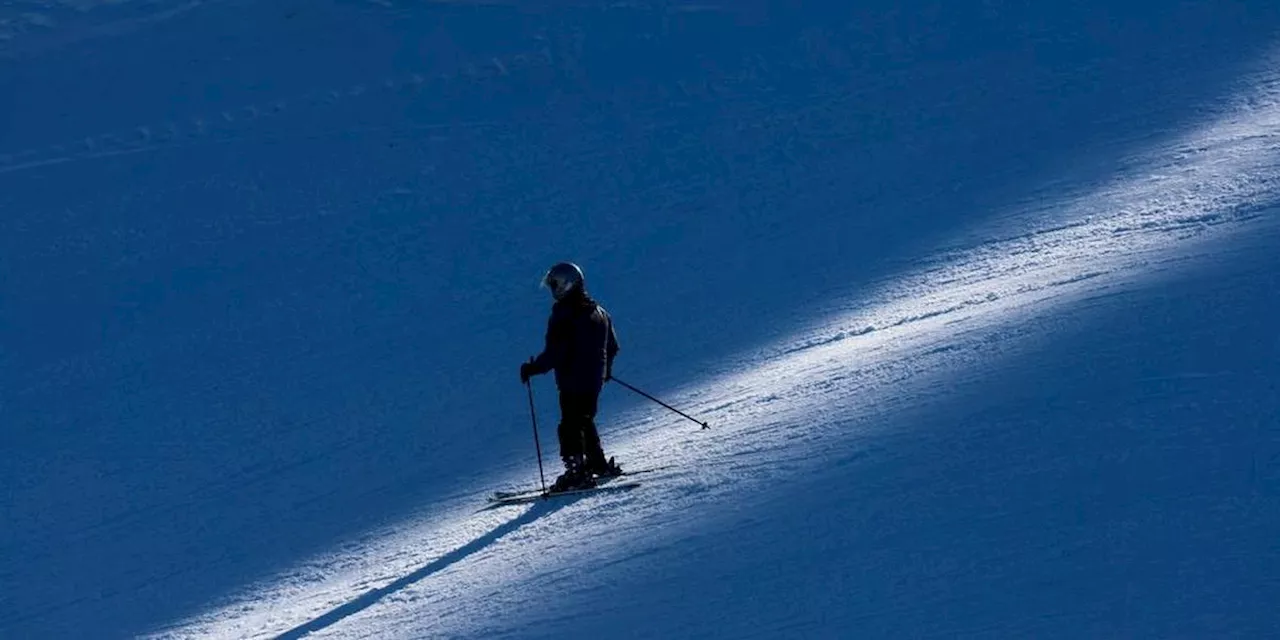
46, 29
36, 27
787, 407
231, 126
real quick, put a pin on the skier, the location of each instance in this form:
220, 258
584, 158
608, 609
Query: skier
580, 347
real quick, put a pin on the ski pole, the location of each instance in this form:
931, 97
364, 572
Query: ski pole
704, 424
537, 446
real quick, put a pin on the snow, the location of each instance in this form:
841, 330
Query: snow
977, 298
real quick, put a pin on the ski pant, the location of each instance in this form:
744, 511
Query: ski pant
577, 431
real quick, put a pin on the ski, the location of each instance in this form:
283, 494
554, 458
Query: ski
525, 498
505, 495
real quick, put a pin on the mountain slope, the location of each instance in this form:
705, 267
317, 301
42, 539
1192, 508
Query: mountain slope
266, 272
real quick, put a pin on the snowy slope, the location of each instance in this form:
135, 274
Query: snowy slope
979, 300
1006, 446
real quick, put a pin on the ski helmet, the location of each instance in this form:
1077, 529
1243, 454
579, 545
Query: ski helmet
563, 278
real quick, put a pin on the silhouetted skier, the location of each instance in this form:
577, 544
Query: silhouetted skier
580, 348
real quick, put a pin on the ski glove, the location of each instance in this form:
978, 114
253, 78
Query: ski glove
526, 372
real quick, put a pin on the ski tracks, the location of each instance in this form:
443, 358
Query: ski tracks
253, 122
33, 27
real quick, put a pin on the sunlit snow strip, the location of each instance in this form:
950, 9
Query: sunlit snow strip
1185, 197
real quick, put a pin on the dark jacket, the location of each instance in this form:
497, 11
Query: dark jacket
580, 346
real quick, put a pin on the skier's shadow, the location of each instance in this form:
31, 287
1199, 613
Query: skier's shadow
537, 510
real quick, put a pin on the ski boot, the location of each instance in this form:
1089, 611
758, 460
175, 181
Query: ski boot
575, 476
604, 468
